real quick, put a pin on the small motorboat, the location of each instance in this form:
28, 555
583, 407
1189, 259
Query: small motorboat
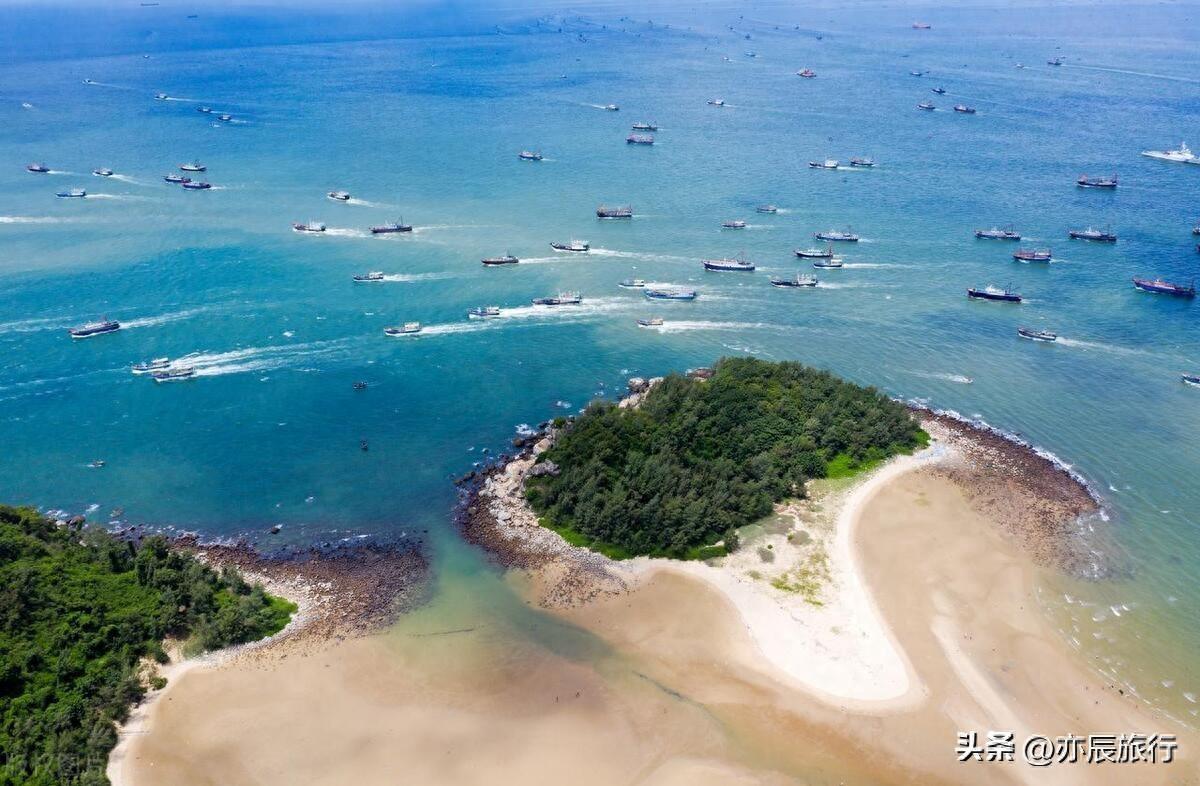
632, 283
916, 73
797, 281
483, 312
772, 209
374, 275
736, 223
833, 263
37, 169
612, 107
1007, 233
174, 374
670, 293
994, 293
507, 259
716, 102
360, 385
1032, 255
1096, 182
195, 166
1091, 233
652, 322
574, 245
926, 106
1190, 379
1056, 61
1036, 335
193, 185
1158, 286
644, 127
225, 118
939, 90
835, 236
407, 329
964, 109
639, 139
95, 328
72, 193
529, 155
339, 196
815, 253
807, 73
1196, 229
387, 229
205, 109
308, 226
829, 163
161, 96
150, 366
862, 163
922, 26
97, 464
178, 179
102, 172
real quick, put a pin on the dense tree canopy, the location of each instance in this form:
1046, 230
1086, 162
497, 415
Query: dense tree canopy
697, 459
78, 610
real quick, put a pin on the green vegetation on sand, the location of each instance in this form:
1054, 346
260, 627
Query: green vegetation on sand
698, 459
79, 610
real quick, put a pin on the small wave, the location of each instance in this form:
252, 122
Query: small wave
363, 202
960, 379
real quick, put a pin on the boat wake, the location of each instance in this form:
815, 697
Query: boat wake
118, 197
588, 308
681, 326
336, 232
164, 319
409, 278
35, 325
640, 255
253, 359
30, 220
127, 179
364, 203
1146, 74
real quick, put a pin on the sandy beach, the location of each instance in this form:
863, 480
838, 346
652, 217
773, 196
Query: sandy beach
893, 613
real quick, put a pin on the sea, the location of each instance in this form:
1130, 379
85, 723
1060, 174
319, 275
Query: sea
420, 113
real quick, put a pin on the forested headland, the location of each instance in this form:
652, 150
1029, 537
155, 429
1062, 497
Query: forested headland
80, 611
697, 459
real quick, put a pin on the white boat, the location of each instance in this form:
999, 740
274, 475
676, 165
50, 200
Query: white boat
612, 107
195, 166
407, 329
374, 275
150, 366
340, 196
102, 172
633, 283
829, 163
652, 322
72, 193
736, 223
309, 226
1183, 155
483, 312
716, 102
574, 245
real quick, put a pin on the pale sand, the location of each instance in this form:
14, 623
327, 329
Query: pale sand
689, 693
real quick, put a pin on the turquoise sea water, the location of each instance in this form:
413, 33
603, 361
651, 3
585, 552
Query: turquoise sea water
426, 120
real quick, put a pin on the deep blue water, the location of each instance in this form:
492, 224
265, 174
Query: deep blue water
429, 125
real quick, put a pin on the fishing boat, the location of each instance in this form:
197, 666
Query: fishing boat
1196, 229
507, 259
862, 163
161, 96
529, 155
1036, 335
994, 293
939, 90
612, 107
614, 212
95, 328
728, 265
561, 299
1096, 182
387, 229
797, 281
1161, 287
926, 106
574, 245
772, 209
37, 169
716, 102
173, 178
829, 163
374, 275
340, 196
632, 283
483, 312
1190, 379
174, 374
736, 223
195, 166
225, 118
964, 109
1032, 255
308, 226
1098, 235
834, 235
1007, 233
644, 127
205, 109
193, 185
921, 26
807, 73
1182, 155
652, 322
1056, 61
639, 139
916, 73
670, 293
407, 329
102, 172
150, 366
815, 253
833, 263
72, 193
